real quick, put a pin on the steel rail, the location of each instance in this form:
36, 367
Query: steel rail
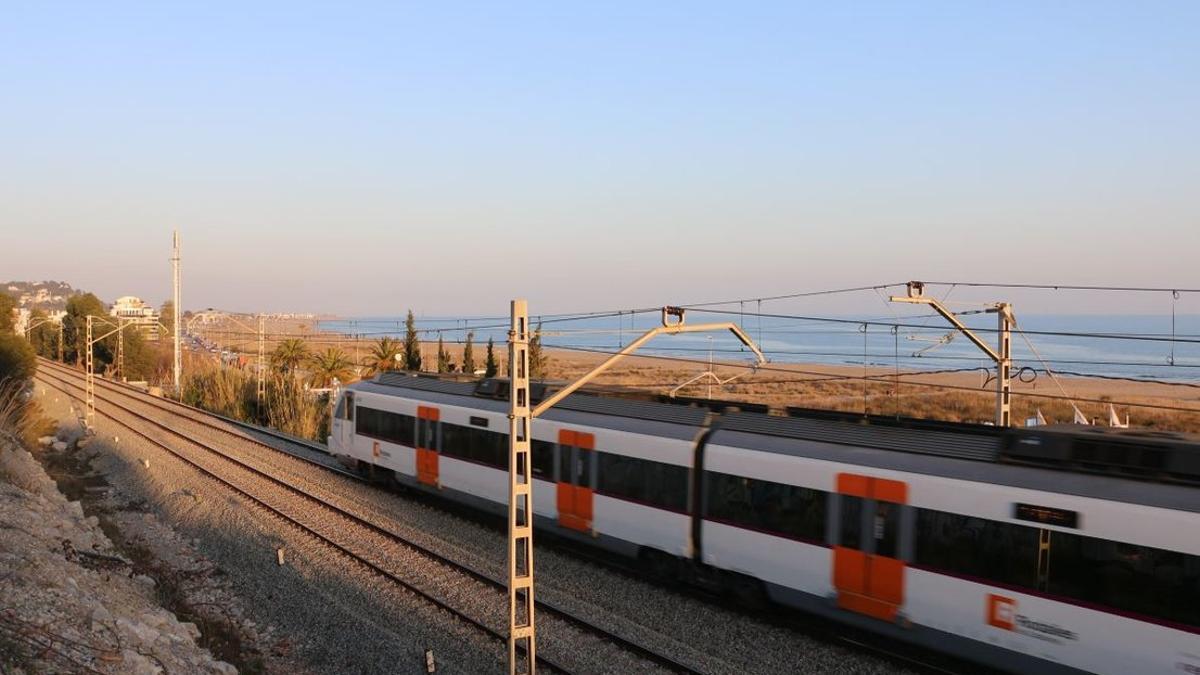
648, 653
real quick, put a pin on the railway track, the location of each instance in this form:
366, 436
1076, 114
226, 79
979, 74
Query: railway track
352, 534
316, 455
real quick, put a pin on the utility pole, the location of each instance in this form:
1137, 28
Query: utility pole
260, 393
89, 417
520, 498
1002, 355
521, 627
177, 364
119, 372
90, 340
60, 339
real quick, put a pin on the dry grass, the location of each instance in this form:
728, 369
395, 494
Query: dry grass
233, 393
969, 399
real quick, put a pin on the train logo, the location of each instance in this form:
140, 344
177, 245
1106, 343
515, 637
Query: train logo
1002, 612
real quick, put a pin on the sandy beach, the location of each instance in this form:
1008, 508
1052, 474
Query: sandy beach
960, 396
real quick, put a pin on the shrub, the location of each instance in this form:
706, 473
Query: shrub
17, 360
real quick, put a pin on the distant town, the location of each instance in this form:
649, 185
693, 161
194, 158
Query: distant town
35, 300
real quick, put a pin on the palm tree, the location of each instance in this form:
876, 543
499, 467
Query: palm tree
329, 365
289, 354
383, 356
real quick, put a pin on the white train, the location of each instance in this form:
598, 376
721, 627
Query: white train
1058, 550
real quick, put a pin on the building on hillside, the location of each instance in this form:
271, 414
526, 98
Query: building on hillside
208, 316
139, 313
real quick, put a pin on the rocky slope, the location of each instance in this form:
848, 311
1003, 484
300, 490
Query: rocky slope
69, 601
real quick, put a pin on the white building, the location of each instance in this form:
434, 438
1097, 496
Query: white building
143, 316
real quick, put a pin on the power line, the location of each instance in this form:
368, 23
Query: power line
791, 296
884, 379
1149, 337
1066, 287
923, 357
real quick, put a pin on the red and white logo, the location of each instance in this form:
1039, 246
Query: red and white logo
1001, 611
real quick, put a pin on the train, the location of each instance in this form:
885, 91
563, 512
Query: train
1055, 549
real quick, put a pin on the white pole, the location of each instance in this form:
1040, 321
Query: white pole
521, 624
178, 361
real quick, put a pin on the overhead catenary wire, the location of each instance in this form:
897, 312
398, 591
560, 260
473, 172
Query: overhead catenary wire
884, 379
1066, 287
1151, 337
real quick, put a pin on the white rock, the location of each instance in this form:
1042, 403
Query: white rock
154, 619
76, 509
137, 664
45, 440
60, 446
144, 580
191, 629
145, 634
224, 668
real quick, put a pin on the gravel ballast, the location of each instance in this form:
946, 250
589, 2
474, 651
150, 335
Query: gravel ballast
697, 632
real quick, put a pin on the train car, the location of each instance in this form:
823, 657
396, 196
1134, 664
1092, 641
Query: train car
616, 481
1056, 550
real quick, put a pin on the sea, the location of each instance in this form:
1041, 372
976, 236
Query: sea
1141, 346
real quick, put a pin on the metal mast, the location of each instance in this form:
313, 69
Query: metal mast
521, 630
261, 392
119, 373
89, 416
178, 362
1002, 355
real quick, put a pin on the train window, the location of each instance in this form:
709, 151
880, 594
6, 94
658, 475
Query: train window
653, 483
385, 426
477, 445
1140, 579
455, 440
779, 508
986, 549
349, 399
583, 467
850, 535
887, 529
543, 459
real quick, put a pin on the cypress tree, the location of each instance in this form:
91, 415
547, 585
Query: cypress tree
538, 361
490, 366
468, 364
443, 357
412, 344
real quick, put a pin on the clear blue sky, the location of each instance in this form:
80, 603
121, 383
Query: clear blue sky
361, 160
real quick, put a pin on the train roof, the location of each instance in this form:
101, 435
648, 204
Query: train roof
1146, 455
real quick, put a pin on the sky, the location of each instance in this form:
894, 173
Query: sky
362, 158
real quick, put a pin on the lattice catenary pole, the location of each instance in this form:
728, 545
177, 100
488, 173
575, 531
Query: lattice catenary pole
521, 625
120, 370
89, 417
260, 395
177, 363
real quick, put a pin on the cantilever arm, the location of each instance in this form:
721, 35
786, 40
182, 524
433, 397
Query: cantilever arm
949, 316
672, 329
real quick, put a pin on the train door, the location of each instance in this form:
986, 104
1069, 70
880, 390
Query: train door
575, 450
868, 567
345, 419
429, 439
